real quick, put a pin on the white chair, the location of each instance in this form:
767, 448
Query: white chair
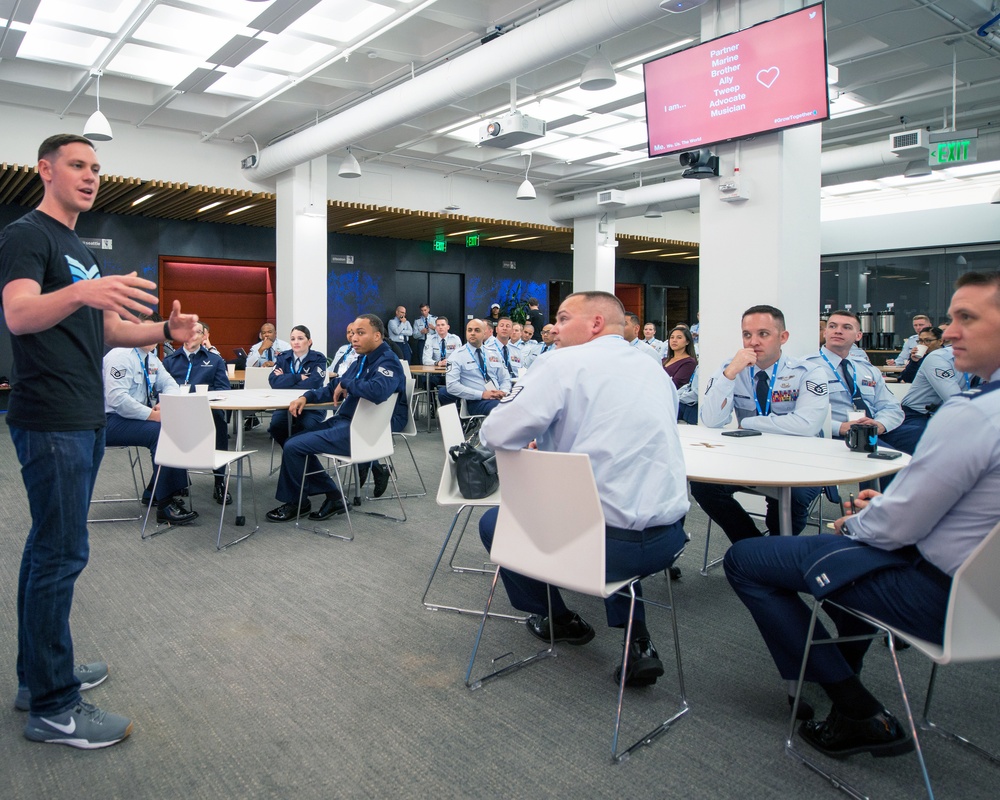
898, 390
449, 495
187, 441
134, 460
471, 423
371, 440
558, 537
405, 434
971, 633
257, 378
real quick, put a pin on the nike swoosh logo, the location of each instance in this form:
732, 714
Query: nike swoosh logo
62, 728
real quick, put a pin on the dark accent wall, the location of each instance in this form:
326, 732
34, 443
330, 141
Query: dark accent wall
366, 285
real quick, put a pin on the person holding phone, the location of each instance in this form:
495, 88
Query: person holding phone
770, 393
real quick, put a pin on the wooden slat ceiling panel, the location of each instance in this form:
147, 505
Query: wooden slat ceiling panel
167, 200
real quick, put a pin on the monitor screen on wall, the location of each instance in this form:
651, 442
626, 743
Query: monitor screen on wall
766, 78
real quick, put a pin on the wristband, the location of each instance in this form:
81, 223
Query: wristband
166, 331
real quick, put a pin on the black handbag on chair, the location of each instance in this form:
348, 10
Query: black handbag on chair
476, 470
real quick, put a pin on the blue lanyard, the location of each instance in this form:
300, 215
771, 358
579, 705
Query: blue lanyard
770, 390
188, 375
361, 366
836, 374
149, 385
480, 366
292, 365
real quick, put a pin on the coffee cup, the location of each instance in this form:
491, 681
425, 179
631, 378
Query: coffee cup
920, 350
201, 388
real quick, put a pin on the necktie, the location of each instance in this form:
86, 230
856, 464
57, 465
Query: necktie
482, 365
268, 355
975, 381
852, 387
763, 392
149, 384
298, 366
506, 359
444, 355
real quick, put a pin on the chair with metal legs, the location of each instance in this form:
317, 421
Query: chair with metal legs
558, 537
371, 440
187, 441
971, 633
404, 436
449, 495
132, 453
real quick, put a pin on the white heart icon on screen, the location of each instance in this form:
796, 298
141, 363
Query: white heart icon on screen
767, 77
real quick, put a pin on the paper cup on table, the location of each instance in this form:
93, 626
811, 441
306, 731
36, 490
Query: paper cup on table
201, 388
231, 369
921, 350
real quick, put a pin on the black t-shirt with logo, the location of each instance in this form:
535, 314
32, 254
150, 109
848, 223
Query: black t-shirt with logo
57, 383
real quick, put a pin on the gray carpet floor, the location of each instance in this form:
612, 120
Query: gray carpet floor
294, 665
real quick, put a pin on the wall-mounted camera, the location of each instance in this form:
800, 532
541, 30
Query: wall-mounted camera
700, 164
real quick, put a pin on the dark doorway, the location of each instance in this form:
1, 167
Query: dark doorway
443, 291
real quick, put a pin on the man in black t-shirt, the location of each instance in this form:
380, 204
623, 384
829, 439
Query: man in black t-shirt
60, 312
536, 318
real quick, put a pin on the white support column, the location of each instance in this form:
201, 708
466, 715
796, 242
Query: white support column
300, 294
764, 250
594, 253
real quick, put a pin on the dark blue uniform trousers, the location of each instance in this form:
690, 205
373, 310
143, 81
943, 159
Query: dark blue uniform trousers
306, 421
122, 432
716, 500
767, 574
334, 436
653, 550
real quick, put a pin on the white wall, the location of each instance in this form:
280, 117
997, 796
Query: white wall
928, 228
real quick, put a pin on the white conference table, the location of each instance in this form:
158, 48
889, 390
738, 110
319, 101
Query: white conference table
776, 461
240, 400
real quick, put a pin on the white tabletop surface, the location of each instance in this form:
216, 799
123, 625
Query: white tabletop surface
252, 399
776, 460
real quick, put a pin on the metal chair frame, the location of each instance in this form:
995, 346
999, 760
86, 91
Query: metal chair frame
569, 555
971, 633
134, 460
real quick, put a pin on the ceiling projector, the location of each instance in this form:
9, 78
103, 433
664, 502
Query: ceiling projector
511, 129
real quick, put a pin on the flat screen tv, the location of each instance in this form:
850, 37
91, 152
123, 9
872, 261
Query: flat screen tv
766, 78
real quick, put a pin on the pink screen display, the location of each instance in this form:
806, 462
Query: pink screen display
765, 78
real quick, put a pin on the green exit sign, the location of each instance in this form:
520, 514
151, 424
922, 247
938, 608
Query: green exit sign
472, 240
440, 244
954, 147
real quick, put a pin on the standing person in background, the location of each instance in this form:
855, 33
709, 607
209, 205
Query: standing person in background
60, 313
303, 368
678, 356
267, 350
423, 326
696, 329
649, 337
536, 318
400, 331
493, 317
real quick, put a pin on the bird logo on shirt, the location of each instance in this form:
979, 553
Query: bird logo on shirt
80, 272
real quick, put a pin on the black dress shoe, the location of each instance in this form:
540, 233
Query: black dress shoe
175, 514
217, 495
839, 737
147, 497
331, 506
289, 511
644, 665
576, 631
380, 474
